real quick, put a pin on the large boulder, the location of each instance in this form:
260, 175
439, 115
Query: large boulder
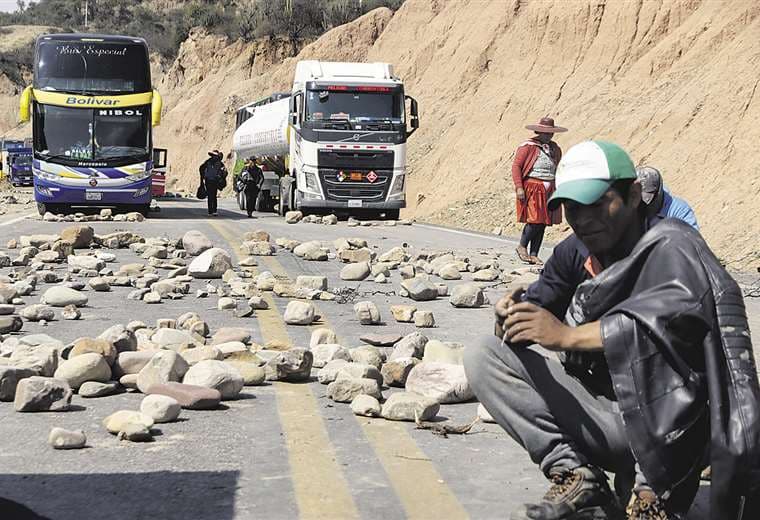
367, 313
37, 312
86, 262
293, 365
195, 242
312, 250
344, 390
467, 295
123, 339
59, 296
9, 379
365, 405
397, 254
396, 372
411, 345
160, 408
326, 352
10, 324
41, 359
299, 313
80, 237
212, 263
42, 394
420, 289
100, 346
355, 272
441, 382
330, 371
190, 397
85, 367
165, 366
217, 375
443, 352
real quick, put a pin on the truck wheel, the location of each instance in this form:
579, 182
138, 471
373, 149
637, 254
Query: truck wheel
285, 201
241, 200
392, 214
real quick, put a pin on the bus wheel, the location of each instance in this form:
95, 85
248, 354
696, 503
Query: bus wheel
42, 208
144, 209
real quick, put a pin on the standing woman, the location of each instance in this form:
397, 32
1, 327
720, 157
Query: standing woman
533, 174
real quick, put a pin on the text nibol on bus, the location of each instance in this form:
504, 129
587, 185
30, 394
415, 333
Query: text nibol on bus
92, 109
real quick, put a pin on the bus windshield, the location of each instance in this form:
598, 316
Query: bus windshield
92, 67
92, 135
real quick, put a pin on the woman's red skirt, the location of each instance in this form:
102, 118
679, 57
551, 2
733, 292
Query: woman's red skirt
535, 210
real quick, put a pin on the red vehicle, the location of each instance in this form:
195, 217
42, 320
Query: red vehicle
158, 182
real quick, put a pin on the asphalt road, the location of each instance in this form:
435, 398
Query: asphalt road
281, 450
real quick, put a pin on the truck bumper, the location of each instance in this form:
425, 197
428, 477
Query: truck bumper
321, 204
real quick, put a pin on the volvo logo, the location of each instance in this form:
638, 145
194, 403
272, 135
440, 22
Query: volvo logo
356, 137
93, 182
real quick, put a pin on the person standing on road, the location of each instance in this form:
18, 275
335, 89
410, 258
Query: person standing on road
656, 375
213, 177
251, 177
659, 201
533, 172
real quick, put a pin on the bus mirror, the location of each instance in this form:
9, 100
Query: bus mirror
25, 105
157, 104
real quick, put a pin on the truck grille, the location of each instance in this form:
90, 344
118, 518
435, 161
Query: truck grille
342, 191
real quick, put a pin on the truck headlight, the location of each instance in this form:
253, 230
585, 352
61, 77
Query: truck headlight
311, 182
398, 185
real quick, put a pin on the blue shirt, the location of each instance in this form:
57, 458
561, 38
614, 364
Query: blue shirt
674, 207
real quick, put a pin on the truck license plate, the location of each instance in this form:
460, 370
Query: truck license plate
93, 195
354, 203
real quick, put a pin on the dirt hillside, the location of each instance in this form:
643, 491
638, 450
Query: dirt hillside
672, 81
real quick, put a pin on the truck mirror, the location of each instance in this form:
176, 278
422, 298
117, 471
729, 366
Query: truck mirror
414, 118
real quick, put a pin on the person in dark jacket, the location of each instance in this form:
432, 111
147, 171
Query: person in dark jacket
656, 377
251, 179
213, 177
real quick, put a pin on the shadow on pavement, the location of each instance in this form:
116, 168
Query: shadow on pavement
164, 495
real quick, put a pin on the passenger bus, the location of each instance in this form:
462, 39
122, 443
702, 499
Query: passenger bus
92, 109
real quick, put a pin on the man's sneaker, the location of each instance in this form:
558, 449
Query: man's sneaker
645, 505
580, 494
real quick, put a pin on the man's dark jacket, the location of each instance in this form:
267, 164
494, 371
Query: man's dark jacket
677, 343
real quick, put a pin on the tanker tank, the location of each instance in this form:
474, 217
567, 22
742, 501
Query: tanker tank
264, 133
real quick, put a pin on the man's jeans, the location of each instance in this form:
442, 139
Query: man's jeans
558, 420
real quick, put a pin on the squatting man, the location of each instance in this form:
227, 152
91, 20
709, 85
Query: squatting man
655, 378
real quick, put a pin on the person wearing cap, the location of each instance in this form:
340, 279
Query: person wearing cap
533, 171
645, 323
213, 177
659, 201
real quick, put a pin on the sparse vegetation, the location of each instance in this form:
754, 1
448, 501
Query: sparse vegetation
166, 29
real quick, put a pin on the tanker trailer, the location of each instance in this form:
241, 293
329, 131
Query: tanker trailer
337, 141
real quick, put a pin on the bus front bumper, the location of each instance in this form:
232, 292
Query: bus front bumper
50, 192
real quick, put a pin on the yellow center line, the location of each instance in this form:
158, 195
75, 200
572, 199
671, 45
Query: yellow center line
414, 478
320, 487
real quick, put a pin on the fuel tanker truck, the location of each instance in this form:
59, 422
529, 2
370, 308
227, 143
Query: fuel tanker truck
336, 142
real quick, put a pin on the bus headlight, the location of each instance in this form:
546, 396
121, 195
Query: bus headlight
47, 176
45, 192
398, 185
140, 176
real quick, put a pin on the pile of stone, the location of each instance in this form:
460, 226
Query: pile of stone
105, 215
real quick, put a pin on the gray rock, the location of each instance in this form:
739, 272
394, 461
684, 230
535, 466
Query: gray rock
486, 275
329, 372
312, 250
85, 262
226, 303
165, 366
97, 345
96, 389
322, 335
151, 297
131, 362
344, 390
420, 289
60, 296
198, 354
292, 217
99, 285
10, 324
441, 382
122, 338
293, 365
257, 248
412, 345
195, 242
326, 352
359, 371
212, 263
42, 394
118, 421
424, 319
467, 296
397, 254
450, 272
252, 373
161, 408
41, 359
365, 405
367, 313
299, 313
403, 313
71, 312
404, 406
443, 352
258, 303
83, 368
317, 283
217, 375
80, 237
61, 439
367, 355
9, 379
355, 272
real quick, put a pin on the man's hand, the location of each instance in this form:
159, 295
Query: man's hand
520, 194
530, 323
500, 310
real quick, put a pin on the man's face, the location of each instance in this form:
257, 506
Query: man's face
544, 138
601, 226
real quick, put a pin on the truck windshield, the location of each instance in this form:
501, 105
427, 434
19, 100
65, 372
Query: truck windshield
92, 67
22, 160
326, 105
96, 135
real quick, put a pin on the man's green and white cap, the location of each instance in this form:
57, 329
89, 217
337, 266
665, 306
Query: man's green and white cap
587, 171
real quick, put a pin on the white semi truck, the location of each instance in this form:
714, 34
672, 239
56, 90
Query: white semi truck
337, 142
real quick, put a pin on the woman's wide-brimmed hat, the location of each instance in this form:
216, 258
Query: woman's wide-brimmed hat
546, 126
